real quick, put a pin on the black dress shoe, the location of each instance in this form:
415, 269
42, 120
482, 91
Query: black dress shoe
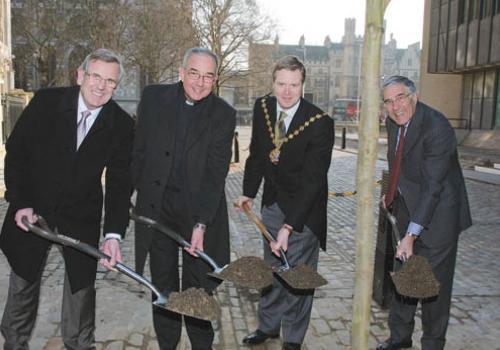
391, 344
258, 337
291, 346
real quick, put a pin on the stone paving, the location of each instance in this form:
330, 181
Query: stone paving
123, 317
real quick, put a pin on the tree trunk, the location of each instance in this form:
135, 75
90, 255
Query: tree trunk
365, 176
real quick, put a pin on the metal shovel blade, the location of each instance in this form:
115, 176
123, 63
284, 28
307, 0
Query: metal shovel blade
162, 300
247, 272
297, 277
415, 278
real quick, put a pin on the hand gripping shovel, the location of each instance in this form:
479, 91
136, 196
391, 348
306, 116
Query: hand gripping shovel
248, 272
163, 301
298, 277
415, 279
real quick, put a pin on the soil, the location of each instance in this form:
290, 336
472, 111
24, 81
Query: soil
248, 272
194, 302
416, 279
302, 277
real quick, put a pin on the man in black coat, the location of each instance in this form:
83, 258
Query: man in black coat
56, 155
430, 202
180, 161
291, 150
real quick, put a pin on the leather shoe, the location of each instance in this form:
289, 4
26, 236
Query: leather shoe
391, 344
291, 346
258, 337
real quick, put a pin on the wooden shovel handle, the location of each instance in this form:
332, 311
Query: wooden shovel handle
260, 225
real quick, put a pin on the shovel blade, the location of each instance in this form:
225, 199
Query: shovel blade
247, 272
300, 276
416, 279
194, 302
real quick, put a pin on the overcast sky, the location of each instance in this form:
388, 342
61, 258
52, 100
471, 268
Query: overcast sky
319, 18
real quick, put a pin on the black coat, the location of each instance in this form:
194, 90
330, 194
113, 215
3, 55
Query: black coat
431, 181
206, 158
44, 171
299, 182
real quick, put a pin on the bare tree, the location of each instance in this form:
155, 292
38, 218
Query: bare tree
227, 27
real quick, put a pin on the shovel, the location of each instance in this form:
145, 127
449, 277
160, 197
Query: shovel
298, 277
415, 279
162, 300
248, 272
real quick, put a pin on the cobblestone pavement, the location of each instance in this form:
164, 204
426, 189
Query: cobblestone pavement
124, 310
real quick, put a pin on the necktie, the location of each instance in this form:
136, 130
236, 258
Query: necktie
81, 128
279, 127
396, 168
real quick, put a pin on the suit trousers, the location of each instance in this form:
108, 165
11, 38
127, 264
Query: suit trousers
164, 266
436, 310
77, 316
281, 306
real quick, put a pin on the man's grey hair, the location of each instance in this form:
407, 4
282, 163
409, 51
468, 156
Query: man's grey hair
400, 80
104, 55
200, 51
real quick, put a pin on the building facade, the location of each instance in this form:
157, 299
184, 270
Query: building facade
461, 64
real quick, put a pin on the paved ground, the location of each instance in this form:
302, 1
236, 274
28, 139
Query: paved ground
123, 310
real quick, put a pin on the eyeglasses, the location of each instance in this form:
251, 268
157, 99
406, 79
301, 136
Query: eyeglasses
97, 79
398, 99
195, 75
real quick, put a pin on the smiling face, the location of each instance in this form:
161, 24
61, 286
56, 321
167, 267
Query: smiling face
399, 103
287, 87
95, 84
198, 76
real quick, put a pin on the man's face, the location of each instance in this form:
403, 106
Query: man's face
399, 103
287, 87
98, 83
198, 77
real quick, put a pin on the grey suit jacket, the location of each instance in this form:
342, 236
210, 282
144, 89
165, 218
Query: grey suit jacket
431, 181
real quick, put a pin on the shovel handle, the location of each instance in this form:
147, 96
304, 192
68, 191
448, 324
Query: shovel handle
173, 235
262, 228
45, 232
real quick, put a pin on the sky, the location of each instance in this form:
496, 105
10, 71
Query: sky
316, 19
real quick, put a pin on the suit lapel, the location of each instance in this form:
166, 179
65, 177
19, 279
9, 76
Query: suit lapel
413, 132
65, 125
166, 117
299, 118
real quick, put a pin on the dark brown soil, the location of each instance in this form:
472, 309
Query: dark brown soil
416, 279
194, 302
303, 277
248, 272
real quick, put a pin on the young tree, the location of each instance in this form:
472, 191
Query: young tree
367, 156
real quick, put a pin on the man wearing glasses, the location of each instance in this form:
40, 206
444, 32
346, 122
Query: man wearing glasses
429, 199
56, 155
180, 161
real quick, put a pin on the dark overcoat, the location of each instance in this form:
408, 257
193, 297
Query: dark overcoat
299, 182
45, 171
206, 160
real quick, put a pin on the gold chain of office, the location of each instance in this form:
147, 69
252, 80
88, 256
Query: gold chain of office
295, 133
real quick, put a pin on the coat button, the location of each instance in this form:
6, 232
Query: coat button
167, 153
152, 206
157, 183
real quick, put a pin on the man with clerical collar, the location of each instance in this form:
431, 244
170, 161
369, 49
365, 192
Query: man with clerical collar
180, 160
291, 149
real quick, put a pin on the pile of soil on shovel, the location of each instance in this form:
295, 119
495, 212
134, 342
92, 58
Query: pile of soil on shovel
302, 277
194, 302
248, 272
416, 279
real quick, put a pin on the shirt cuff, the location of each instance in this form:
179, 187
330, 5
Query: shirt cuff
414, 229
113, 235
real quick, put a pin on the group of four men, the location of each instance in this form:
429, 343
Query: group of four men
177, 161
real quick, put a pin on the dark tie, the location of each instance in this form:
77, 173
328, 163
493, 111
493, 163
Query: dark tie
81, 128
396, 168
279, 127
